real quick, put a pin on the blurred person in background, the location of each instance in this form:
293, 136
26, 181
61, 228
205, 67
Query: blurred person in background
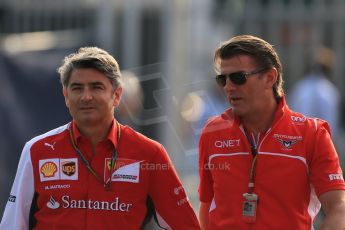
94, 172
315, 95
262, 165
129, 110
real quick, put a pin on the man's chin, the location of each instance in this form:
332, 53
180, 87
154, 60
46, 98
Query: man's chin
237, 111
87, 120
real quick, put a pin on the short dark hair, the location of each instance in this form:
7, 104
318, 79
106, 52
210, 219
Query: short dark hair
90, 57
262, 51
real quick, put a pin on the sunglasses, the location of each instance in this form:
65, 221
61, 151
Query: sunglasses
238, 78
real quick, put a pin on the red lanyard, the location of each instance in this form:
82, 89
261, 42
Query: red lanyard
106, 183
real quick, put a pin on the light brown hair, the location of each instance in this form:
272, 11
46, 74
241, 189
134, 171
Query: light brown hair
262, 51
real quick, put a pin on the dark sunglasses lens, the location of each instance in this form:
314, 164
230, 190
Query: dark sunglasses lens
238, 78
221, 80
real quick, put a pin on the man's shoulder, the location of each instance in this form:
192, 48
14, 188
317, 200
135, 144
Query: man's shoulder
48, 135
135, 138
220, 122
140, 146
306, 122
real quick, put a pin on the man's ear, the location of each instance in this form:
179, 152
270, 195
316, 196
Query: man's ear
64, 91
65, 94
118, 95
271, 77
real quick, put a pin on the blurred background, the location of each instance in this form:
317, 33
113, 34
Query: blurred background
165, 49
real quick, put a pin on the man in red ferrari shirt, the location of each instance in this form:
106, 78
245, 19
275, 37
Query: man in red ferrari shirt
263, 166
95, 173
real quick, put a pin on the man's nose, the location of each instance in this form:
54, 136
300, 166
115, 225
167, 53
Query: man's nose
87, 95
229, 85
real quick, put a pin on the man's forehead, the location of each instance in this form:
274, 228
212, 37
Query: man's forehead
88, 77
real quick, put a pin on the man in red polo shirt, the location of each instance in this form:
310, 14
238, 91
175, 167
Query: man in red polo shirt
263, 166
94, 173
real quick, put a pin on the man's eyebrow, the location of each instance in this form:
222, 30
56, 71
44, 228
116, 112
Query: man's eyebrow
97, 83
75, 84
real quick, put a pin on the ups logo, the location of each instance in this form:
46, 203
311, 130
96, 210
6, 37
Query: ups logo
68, 168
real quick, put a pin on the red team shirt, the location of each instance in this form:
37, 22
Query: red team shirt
62, 193
296, 163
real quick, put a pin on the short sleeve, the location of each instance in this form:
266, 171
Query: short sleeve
324, 168
172, 205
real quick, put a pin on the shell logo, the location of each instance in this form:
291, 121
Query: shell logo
49, 169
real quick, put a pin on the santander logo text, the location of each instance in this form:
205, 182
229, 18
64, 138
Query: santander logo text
68, 202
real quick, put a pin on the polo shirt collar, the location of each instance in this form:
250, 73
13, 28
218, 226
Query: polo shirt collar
112, 134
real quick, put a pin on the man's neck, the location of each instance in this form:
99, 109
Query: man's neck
95, 132
261, 120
